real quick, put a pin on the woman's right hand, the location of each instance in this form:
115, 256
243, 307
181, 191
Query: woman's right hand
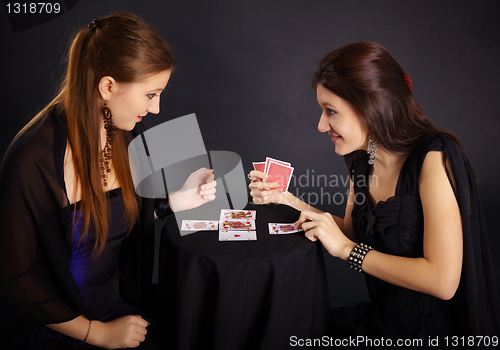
124, 332
263, 192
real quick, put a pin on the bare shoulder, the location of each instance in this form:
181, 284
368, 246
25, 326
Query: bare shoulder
434, 185
433, 165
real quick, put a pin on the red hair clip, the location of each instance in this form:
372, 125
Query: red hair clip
408, 81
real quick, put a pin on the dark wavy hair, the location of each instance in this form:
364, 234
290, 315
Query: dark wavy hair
367, 76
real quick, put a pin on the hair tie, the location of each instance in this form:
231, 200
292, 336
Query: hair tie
93, 25
408, 81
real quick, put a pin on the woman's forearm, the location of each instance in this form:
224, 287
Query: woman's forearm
294, 202
418, 274
78, 328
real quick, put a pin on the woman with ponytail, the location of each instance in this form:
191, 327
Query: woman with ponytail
413, 221
67, 200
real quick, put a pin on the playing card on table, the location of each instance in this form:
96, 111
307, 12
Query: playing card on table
228, 214
282, 229
280, 173
199, 225
237, 235
233, 225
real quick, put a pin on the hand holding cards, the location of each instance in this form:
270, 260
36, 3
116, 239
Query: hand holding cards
278, 171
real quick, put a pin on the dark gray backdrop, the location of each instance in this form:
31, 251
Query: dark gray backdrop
244, 68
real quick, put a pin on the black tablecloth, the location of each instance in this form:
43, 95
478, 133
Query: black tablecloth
242, 295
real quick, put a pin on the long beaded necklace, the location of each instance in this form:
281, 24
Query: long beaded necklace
106, 151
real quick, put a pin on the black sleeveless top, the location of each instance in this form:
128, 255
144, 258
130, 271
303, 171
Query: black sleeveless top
36, 284
396, 227
97, 276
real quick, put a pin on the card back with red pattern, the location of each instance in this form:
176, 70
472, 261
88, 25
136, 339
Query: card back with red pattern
280, 173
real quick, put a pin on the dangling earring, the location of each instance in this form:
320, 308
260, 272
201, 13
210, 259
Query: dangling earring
372, 149
110, 133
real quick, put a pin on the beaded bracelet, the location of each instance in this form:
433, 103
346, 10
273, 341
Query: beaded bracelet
88, 331
357, 256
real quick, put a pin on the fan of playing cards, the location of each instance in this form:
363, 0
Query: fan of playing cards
278, 171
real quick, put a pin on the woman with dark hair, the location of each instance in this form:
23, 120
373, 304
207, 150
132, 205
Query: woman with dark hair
67, 200
413, 222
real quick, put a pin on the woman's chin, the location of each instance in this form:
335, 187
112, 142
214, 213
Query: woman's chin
126, 127
340, 151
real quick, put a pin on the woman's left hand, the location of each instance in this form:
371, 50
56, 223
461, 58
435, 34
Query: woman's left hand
322, 226
198, 189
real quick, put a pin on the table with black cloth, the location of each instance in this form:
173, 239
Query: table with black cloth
242, 294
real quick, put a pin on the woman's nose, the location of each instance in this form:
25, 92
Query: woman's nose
154, 107
323, 125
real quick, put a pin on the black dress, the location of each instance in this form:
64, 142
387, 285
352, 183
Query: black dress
395, 227
95, 275
37, 286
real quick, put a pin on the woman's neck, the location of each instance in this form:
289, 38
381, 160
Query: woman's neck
385, 160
